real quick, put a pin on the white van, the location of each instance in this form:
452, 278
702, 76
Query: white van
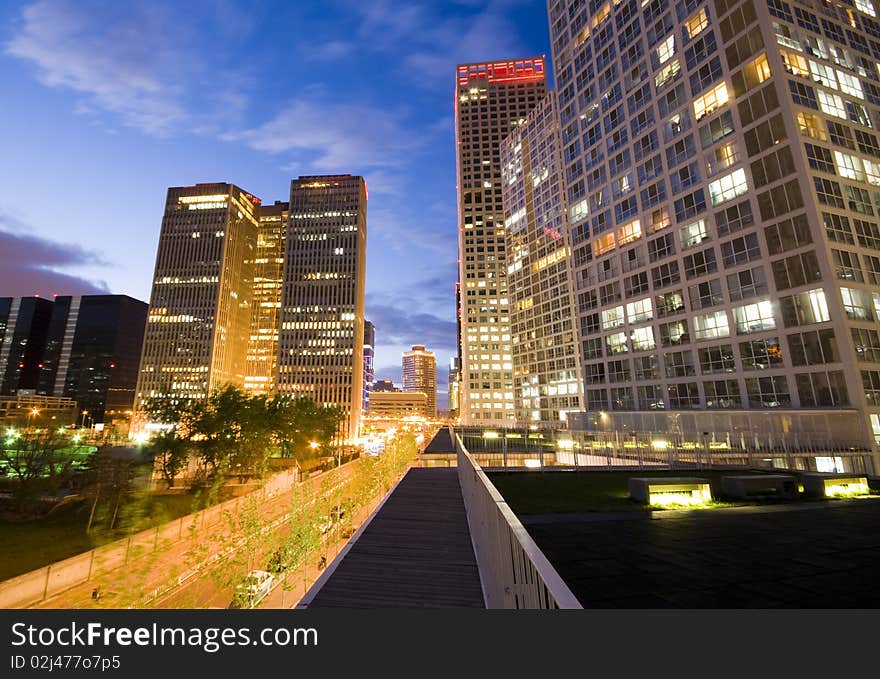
253, 589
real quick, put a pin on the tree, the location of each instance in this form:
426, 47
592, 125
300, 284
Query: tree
299, 422
37, 461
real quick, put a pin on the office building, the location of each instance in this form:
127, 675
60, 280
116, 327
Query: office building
546, 369
384, 385
398, 404
420, 374
722, 177
201, 300
454, 375
369, 355
93, 352
262, 352
321, 341
24, 324
491, 100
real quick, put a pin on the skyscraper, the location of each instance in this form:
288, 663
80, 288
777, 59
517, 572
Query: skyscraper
721, 168
369, 353
420, 374
491, 99
262, 353
200, 305
24, 324
93, 352
454, 376
321, 342
547, 378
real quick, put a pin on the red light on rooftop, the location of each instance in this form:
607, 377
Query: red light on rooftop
503, 71
112, 365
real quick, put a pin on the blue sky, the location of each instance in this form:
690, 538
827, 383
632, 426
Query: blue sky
108, 103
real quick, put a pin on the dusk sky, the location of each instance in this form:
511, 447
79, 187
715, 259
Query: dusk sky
107, 103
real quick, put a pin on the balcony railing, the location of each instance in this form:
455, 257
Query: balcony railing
513, 571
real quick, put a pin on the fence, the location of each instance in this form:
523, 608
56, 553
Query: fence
644, 450
41, 584
513, 571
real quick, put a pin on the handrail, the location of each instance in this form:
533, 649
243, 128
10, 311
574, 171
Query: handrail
514, 572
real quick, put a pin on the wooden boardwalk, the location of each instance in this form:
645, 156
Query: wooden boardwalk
415, 553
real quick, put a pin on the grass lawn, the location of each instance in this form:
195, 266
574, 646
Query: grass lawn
594, 491
32, 544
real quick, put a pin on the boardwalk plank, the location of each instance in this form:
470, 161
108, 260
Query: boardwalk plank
416, 552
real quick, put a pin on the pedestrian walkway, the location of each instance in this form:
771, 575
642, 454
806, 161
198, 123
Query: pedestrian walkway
415, 553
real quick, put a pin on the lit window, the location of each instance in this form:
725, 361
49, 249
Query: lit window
729, 186
754, 317
640, 310
831, 104
629, 232
612, 318
696, 23
642, 339
693, 233
712, 100
616, 343
849, 84
824, 75
757, 71
795, 64
867, 7
579, 210
710, 326
666, 49
669, 72
811, 126
857, 304
872, 172
849, 166
603, 13
603, 244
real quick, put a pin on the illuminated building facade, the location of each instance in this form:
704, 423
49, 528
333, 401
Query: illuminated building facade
420, 374
200, 305
398, 404
93, 352
454, 375
24, 324
722, 174
262, 353
546, 371
321, 342
491, 100
369, 355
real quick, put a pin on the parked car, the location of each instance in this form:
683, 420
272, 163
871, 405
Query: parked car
253, 589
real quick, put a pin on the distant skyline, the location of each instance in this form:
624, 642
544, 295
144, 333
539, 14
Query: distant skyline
115, 102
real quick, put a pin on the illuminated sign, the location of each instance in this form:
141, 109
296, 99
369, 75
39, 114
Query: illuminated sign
503, 71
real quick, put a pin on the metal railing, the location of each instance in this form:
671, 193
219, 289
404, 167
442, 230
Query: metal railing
514, 572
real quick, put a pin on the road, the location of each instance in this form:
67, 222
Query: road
184, 569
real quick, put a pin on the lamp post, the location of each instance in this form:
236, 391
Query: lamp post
83, 420
34, 412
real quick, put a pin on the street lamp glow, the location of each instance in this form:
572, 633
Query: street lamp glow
35, 412
76, 438
314, 445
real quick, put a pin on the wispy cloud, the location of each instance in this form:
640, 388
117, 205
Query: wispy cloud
136, 60
331, 136
430, 38
35, 265
404, 328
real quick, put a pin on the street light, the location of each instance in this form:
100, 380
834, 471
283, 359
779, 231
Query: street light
82, 422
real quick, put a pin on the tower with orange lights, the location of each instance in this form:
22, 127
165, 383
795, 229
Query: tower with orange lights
491, 100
